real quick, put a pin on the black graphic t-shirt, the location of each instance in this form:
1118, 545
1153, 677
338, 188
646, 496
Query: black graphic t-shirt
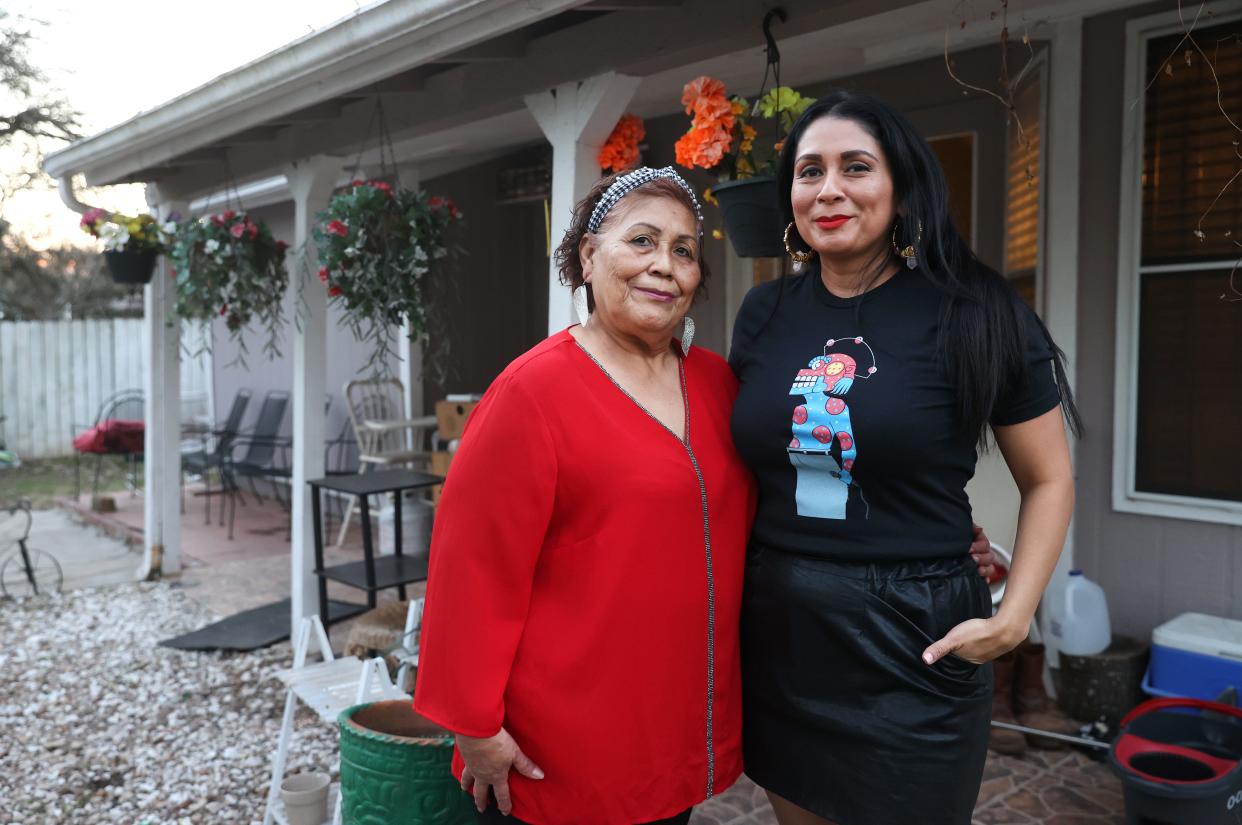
849, 422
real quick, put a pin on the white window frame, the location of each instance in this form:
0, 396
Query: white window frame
1129, 271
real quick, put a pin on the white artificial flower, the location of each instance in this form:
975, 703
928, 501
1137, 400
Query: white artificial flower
419, 254
169, 227
211, 246
440, 252
351, 252
114, 236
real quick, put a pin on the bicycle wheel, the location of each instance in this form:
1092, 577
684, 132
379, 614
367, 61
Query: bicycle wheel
30, 572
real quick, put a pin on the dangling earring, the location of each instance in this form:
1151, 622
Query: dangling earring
798, 257
910, 252
581, 309
687, 335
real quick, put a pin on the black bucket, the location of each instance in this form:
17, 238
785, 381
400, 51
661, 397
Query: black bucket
751, 216
1180, 763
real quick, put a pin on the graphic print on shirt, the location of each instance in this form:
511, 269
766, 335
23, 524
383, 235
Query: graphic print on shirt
823, 448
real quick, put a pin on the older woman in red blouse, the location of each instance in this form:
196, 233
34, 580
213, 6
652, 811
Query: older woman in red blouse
580, 632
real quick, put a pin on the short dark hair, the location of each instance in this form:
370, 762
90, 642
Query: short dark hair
568, 262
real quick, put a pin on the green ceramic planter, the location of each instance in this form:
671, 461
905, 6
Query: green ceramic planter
395, 769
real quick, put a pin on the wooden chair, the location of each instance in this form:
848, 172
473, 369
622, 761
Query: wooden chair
385, 437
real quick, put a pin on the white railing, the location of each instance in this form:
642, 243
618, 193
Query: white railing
55, 374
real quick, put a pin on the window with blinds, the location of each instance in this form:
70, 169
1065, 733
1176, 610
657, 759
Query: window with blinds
1190, 152
1188, 439
956, 154
1023, 170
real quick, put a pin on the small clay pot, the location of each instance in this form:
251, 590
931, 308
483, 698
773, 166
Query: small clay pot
306, 798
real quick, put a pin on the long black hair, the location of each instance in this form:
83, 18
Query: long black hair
982, 345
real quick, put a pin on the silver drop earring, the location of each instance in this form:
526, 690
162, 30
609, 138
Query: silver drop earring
580, 304
687, 335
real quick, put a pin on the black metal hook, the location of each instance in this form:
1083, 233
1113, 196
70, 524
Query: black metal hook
774, 54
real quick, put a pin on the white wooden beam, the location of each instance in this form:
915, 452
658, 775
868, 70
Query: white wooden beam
576, 118
311, 183
1063, 180
161, 389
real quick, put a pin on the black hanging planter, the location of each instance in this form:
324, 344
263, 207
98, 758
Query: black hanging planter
751, 216
131, 267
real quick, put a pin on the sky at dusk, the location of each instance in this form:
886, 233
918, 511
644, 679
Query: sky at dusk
113, 61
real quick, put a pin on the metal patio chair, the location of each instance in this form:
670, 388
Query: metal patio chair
266, 452
206, 458
126, 405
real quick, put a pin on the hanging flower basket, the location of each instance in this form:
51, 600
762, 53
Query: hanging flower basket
379, 249
722, 139
229, 266
131, 243
751, 215
129, 266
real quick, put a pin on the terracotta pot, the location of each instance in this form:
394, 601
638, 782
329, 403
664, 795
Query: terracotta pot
395, 769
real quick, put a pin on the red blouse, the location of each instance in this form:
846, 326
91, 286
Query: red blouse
585, 584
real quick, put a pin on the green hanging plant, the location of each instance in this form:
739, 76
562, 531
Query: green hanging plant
379, 249
228, 265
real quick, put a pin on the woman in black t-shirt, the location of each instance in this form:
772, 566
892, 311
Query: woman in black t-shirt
867, 383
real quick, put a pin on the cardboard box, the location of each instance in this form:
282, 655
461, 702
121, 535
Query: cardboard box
439, 467
451, 417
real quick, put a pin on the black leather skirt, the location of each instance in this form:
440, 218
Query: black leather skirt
841, 715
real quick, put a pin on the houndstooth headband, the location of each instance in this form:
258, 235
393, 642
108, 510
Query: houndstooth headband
630, 181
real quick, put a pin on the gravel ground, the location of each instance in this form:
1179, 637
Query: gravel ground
99, 725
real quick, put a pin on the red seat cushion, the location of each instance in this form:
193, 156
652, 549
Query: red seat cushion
114, 436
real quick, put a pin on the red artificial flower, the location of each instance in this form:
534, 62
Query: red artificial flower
334, 291
228, 214
337, 228
237, 230
224, 310
323, 274
217, 220
252, 229
453, 211
354, 183
281, 246
381, 185
435, 201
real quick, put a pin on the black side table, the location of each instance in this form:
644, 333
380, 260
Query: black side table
370, 574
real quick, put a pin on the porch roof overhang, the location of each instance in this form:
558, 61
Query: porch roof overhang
453, 75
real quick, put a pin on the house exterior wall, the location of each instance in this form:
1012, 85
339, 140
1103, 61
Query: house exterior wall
1152, 568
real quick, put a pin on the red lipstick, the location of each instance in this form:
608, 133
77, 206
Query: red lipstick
832, 221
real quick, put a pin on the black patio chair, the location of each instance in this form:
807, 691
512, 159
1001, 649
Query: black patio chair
126, 405
266, 451
203, 461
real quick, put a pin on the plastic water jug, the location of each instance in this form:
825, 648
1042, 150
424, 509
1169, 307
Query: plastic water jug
1083, 628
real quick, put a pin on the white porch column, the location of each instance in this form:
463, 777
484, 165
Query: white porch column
1064, 112
311, 182
576, 118
411, 352
161, 392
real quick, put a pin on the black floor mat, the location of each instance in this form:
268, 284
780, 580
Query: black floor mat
253, 629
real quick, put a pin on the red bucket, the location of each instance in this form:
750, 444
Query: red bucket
1180, 762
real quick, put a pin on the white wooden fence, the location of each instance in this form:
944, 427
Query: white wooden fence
55, 374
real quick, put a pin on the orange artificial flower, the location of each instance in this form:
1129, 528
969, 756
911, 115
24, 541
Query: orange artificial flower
702, 86
620, 151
